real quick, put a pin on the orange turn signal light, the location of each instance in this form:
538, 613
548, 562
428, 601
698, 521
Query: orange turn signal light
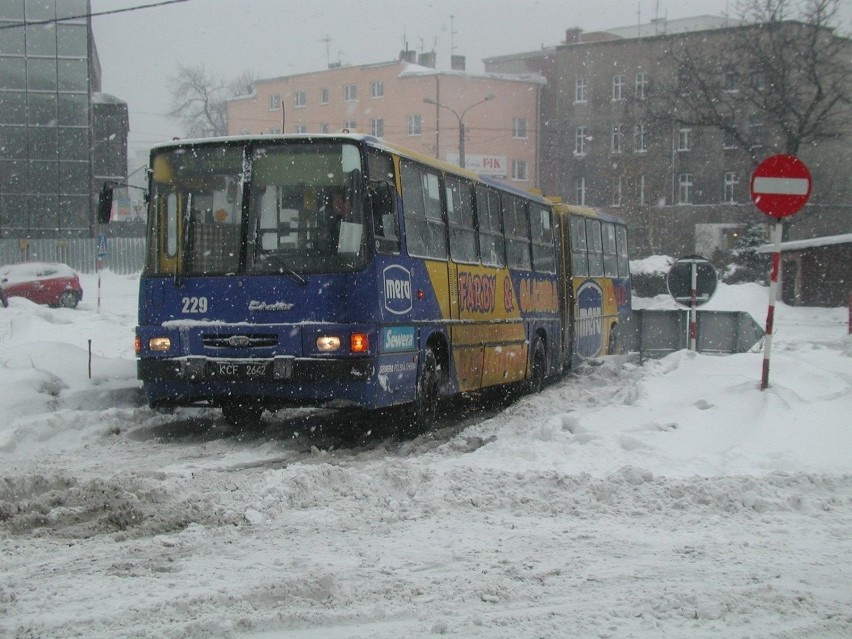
359, 343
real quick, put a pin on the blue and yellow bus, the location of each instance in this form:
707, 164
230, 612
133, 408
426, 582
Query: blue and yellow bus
345, 271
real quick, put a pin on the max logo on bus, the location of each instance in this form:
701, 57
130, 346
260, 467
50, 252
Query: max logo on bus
397, 287
589, 321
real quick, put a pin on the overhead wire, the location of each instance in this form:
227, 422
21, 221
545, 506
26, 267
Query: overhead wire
94, 14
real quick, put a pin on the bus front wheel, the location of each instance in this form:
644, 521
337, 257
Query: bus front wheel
425, 410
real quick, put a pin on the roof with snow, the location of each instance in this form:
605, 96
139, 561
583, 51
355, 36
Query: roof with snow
795, 245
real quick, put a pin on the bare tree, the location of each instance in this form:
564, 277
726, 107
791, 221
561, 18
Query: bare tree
199, 99
780, 80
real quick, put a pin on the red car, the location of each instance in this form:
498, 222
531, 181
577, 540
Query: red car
42, 282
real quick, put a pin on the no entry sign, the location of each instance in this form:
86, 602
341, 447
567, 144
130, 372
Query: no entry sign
780, 185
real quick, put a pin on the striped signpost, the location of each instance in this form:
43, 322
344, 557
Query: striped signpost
780, 186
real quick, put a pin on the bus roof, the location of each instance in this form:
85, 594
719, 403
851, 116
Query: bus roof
587, 211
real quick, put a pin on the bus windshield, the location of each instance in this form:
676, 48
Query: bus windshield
291, 207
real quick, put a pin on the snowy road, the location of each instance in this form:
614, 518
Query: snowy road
668, 500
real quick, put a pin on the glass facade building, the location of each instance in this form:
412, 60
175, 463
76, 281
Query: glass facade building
49, 83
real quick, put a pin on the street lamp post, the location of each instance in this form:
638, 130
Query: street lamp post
460, 118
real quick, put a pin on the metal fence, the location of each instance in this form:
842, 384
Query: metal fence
125, 255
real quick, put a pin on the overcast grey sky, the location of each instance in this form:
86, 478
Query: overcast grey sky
139, 50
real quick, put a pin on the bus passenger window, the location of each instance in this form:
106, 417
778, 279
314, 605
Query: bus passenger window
463, 246
517, 232
425, 230
490, 232
623, 255
544, 256
579, 261
610, 255
593, 236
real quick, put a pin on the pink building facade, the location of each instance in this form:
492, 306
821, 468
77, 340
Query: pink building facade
399, 101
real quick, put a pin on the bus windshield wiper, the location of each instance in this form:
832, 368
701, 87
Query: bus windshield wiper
278, 261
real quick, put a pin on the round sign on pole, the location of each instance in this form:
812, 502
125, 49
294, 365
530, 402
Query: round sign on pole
680, 280
780, 185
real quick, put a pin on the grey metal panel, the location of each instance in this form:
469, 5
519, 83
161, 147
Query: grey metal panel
126, 254
656, 333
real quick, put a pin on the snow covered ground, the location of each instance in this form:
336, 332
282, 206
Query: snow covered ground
672, 499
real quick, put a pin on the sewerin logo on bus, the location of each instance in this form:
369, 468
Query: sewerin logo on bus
397, 288
589, 322
397, 338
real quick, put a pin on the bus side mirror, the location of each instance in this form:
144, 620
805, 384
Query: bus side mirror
105, 204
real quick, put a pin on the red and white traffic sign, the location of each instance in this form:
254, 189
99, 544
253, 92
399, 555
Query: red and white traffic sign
780, 185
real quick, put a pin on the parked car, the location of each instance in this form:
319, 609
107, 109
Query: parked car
42, 282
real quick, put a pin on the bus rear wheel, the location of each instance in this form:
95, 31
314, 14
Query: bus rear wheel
243, 416
538, 367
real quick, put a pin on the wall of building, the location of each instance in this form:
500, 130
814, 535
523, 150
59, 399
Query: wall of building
47, 79
664, 180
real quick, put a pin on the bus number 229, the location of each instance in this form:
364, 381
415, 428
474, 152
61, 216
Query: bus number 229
194, 305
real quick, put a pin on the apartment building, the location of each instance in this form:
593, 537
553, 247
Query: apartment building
490, 118
681, 188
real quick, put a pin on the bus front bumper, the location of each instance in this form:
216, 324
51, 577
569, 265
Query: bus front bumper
276, 369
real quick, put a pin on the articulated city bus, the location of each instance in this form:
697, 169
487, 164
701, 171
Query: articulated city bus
345, 271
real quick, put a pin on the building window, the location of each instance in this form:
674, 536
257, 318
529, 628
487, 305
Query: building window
300, 128
617, 191
580, 90
519, 170
519, 128
580, 141
323, 96
684, 81
615, 138
414, 125
274, 102
325, 128
729, 141
731, 181
641, 85
641, 138
617, 88
755, 131
300, 99
757, 79
350, 125
732, 80
377, 127
684, 139
580, 191
684, 192
642, 190
350, 92
377, 89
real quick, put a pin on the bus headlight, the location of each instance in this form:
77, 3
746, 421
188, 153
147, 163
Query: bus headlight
328, 343
159, 344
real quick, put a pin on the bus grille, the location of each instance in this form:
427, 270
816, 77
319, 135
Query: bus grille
239, 341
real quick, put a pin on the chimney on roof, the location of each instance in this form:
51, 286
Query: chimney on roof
427, 59
457, 63
407, 56
573, 35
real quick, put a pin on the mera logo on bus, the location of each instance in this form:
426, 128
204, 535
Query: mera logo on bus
397, 288
589, 320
